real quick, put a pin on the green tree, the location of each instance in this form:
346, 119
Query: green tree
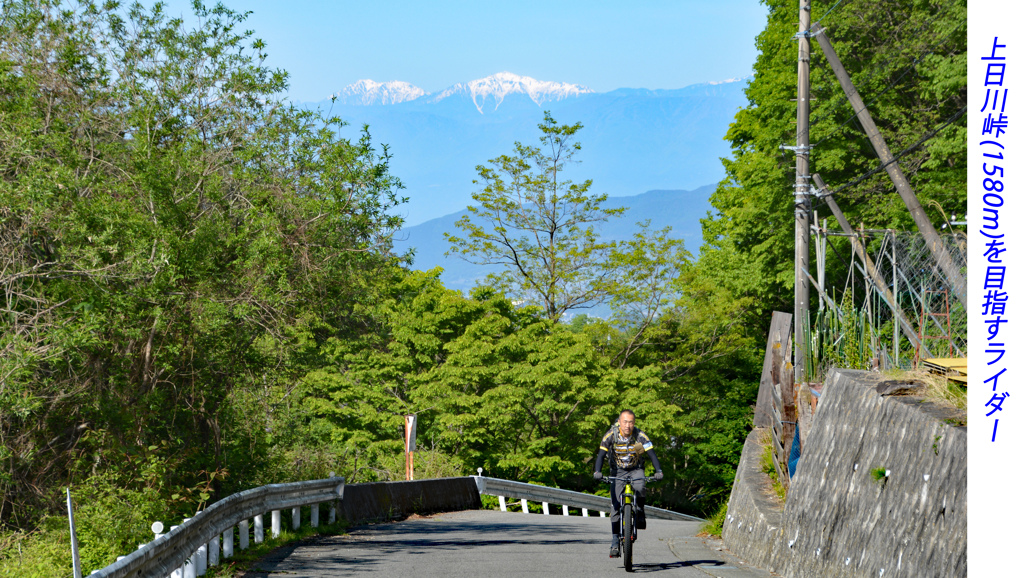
176, 242
908, 60
538, 225
641, 277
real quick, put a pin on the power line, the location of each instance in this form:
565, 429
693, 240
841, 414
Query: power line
890, 86
834, 6
901, 154
876, 69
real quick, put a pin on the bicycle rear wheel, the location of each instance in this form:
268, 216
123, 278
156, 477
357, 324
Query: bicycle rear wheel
627, 536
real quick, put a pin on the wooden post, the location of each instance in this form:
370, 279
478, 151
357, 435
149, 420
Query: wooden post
924, 224
788, 413
777, 429
777, 333
275, 523
257, 528
410, 446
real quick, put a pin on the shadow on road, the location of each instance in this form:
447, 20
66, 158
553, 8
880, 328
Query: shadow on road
387, 539
641, 568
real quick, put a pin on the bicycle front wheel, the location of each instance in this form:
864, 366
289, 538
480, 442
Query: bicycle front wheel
627, 536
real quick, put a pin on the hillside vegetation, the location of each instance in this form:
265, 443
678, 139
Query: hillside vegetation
200, 292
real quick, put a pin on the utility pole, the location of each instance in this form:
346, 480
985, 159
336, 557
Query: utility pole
803, 187
924, 224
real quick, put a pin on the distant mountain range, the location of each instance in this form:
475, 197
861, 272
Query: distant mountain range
681, 210
634, 140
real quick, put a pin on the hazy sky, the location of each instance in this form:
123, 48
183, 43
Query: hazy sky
603, 45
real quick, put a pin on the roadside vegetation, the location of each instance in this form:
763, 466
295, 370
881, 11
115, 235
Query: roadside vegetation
200, 292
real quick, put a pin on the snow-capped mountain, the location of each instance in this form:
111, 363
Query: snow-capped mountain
368, 92
485, 93
634, 139
498, 86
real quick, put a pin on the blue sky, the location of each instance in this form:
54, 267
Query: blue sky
603, 45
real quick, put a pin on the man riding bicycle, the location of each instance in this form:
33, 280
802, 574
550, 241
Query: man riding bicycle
627, 446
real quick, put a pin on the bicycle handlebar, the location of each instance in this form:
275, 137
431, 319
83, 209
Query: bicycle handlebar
610, 479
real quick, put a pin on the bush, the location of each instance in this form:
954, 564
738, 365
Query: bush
110, 521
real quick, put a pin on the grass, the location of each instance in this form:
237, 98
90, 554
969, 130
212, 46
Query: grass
713, 525
938, 390
768, 466
879, 474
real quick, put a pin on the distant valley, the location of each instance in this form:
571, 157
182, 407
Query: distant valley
681, 210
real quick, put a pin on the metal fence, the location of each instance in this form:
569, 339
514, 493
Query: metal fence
923, 293
892, 309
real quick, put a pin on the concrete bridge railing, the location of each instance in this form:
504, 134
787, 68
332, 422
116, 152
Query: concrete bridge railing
186, 551
566, 498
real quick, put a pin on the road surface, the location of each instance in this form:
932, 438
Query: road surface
492, 543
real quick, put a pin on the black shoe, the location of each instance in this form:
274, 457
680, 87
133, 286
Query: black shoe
641, 520
614, 552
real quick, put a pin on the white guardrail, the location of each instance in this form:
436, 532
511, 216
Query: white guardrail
566, 498
186, 551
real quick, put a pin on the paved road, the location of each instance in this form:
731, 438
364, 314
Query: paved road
491, 543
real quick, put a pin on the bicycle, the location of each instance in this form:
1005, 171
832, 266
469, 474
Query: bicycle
626, 519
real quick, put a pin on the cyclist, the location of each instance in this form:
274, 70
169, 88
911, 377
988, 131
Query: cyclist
627, 446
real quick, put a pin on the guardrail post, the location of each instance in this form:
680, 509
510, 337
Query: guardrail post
189, 568
544, 506
565, 510
585, 515
182, 555
257, 528
214, 552
526, 510
229, 542
275, 523
332, 513
602, 514
201, 555
501, 502
177, 572
243, 535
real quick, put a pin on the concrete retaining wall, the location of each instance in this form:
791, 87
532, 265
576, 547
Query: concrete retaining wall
386, 501
753, 526
838, 519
